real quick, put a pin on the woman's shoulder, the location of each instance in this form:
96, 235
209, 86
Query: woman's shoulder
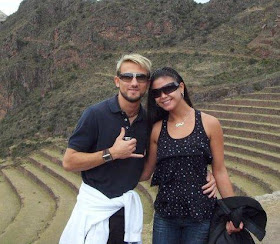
210, 123
209, 119
156, 129
157, 126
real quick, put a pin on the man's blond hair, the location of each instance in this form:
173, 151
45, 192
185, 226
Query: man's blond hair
135, 58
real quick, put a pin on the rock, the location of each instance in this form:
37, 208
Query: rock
2, 16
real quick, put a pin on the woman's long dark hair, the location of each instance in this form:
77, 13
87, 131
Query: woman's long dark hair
154, 112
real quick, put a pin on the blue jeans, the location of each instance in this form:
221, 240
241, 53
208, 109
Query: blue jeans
180, 231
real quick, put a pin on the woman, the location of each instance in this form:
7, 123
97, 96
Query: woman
183, 141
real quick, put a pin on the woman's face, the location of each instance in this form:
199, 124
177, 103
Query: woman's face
168, 98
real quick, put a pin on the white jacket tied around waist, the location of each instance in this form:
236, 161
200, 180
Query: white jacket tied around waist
89, 221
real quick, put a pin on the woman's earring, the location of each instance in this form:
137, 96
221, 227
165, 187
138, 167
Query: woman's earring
182, 93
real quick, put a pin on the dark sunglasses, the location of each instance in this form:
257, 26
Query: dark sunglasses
127, 77
167, 89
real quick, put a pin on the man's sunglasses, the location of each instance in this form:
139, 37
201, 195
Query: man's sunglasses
128, 77
167, 89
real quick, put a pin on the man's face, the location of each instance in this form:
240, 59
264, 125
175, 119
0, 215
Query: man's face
132, 89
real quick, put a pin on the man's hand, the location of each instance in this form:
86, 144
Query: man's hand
210, 188
124, 149
231, 229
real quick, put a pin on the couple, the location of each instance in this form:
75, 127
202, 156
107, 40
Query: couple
108, 147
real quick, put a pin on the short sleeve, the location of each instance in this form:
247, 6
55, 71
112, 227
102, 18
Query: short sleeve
84, 137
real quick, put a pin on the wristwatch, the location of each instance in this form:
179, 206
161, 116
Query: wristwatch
107, 157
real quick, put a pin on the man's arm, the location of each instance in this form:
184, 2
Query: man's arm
80, 161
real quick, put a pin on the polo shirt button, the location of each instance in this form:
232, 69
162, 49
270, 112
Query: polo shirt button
125, 119
127, 127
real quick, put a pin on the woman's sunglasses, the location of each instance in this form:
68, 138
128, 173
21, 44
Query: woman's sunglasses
127, 77
167, 89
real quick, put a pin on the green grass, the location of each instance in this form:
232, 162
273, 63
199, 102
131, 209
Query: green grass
66, 200
246, 185
9, 204
36, 201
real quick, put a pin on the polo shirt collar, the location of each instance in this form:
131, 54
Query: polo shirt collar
115, 107
114, 104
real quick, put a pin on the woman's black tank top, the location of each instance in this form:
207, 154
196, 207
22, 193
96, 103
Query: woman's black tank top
180, 173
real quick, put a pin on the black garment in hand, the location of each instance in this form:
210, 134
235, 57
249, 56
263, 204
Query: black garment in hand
237, 209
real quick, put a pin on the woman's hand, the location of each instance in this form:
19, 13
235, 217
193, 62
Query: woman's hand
231, 229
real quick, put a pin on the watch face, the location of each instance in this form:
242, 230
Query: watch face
107, 156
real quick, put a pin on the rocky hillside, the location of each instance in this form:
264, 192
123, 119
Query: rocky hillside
56, 57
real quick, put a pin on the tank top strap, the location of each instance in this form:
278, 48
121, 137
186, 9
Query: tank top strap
198, 122
163, 130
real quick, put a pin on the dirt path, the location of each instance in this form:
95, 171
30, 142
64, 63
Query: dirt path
271, 204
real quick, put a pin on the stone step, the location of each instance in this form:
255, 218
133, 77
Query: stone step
72, 180
241, 109
273, 89
55, 157
35, 200
246, 133
263, 173
45, 154
152, 190
258, 144
263, 96
38, 181
273, 119
268, 157
262, 177
237, 189
54, 152
252, 102
65, 203
259, 126
9, 205
246, 183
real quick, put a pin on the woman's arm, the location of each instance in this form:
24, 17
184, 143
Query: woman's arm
218, 166
215, 134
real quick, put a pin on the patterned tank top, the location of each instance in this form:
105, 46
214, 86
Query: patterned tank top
180, 173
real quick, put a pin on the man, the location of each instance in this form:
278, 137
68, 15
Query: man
109, 142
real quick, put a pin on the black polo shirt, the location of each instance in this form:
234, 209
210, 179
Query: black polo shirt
97, 130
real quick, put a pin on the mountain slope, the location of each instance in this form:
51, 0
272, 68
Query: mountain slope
57, 57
